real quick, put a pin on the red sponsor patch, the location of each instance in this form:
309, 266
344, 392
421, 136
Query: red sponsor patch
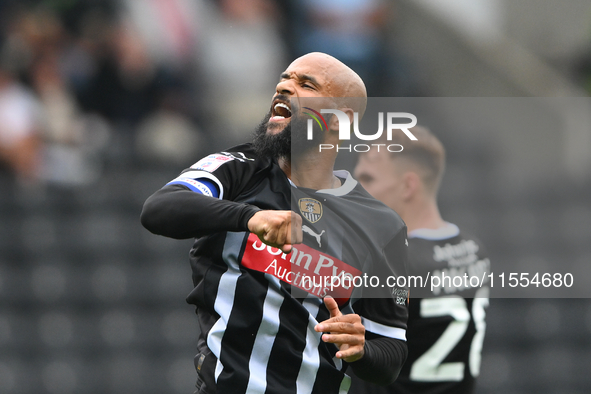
305, 268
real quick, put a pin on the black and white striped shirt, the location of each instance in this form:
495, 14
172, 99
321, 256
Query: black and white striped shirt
257, 307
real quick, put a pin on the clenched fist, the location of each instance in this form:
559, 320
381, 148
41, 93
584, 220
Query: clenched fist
279, 229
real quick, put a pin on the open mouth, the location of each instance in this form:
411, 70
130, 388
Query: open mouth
280, 111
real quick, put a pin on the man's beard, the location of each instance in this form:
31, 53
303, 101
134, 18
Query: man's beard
285, 144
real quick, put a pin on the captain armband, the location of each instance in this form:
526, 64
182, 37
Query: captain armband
201, 185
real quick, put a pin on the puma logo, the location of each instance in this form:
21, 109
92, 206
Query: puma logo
308, 230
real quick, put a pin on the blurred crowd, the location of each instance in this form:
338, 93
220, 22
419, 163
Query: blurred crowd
86, 84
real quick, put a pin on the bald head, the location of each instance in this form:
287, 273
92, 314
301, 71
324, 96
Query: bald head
338, 79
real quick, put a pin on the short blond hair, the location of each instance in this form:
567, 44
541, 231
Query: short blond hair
427, 154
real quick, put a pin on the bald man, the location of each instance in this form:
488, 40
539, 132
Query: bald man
446, 324
282, 244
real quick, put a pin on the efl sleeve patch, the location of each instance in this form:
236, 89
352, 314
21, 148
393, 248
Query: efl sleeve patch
211, 162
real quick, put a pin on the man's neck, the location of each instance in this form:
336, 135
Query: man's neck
424, 215
310, 171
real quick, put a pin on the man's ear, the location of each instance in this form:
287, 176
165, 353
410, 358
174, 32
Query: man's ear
411, 183
333, 123
350, 114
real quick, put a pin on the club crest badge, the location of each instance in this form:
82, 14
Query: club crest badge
310, 209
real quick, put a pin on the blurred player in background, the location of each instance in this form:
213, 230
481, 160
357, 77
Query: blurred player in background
263, 329
446, 326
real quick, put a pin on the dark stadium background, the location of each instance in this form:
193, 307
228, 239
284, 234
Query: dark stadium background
119, 95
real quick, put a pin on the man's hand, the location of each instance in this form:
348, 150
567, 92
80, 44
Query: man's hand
346, 331
279, 229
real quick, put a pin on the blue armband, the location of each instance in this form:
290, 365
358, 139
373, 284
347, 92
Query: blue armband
200, 185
